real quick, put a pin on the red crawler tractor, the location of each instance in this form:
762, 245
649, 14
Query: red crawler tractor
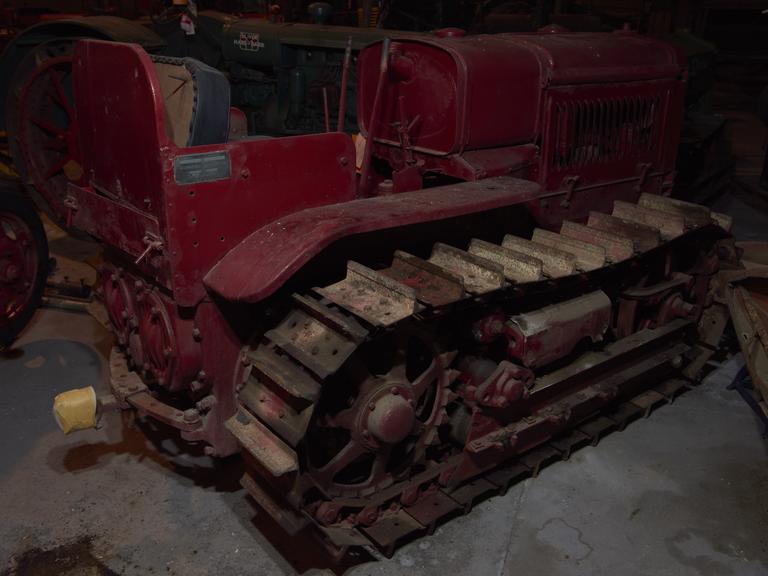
504, 281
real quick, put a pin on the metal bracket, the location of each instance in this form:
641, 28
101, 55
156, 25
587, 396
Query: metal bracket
569, 187
644, 169
152, 242
70, 202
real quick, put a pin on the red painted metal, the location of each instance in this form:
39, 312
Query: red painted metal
453, 77
550, 122
194, 221
600, 112
303, 235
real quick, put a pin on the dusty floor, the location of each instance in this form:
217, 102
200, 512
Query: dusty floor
684, 492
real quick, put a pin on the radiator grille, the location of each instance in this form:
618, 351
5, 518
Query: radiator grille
603, 130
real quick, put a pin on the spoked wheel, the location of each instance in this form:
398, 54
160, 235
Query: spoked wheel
23, 264
42, 124
376, 428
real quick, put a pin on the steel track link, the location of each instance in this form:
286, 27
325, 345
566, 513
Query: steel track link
288, 366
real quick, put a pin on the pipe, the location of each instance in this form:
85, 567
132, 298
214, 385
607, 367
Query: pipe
325, 110
344, 81
366, 168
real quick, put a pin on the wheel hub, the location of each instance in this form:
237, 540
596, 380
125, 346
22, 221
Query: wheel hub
9, 272
391, 416
380, 434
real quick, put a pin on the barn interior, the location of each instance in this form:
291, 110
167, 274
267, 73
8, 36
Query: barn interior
185, 182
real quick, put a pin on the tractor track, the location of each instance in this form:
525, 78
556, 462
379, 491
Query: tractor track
286, 370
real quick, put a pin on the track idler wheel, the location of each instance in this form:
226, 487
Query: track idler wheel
389, 420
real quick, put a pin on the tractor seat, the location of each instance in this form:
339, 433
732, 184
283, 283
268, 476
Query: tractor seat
196, 101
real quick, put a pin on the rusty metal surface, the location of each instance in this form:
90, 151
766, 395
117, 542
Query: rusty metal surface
669, 224
553, 331
373, 296
569, 407
268, 364
283, 410
618, 247
267, 401
565, 405
122, 380
555, 263
364, 405
517, 266
478, 274
129, 389
589, 256
644, 237
434, 285
300, 332
693, 214
267, 448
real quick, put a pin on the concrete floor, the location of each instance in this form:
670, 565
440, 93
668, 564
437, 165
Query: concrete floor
684, 492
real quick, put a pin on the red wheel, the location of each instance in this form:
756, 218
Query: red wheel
42, 124
23, 264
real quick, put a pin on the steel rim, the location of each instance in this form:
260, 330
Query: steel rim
18, 267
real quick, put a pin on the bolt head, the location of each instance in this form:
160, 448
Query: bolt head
191, 415
11, 273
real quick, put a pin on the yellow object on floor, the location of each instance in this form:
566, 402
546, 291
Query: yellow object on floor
75, 409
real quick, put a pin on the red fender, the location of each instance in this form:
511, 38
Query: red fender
265, 260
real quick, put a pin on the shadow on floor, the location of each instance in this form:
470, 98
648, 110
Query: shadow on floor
147, 440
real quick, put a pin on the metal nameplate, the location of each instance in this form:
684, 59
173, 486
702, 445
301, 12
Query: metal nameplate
249, 41
195, 168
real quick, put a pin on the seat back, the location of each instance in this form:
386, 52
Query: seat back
196, 101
